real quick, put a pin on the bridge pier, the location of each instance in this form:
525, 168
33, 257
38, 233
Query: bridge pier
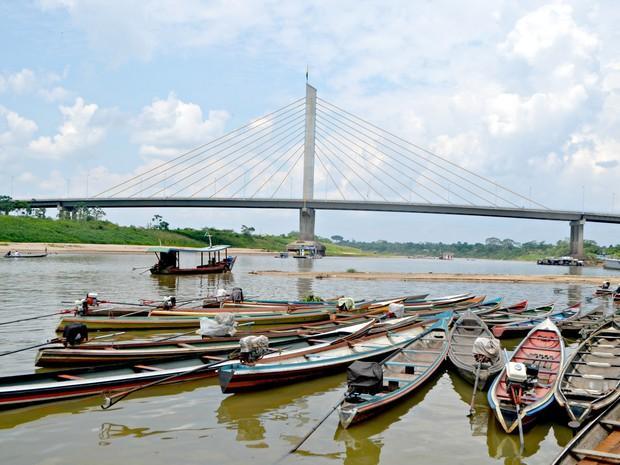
576, 238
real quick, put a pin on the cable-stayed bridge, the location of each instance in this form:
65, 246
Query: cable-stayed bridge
311, 155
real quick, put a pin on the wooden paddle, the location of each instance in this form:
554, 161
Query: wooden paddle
110, 400
473, 395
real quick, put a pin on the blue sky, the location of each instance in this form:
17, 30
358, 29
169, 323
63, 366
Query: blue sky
524, 93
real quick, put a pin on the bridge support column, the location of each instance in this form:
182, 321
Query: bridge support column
576, 238
306, 215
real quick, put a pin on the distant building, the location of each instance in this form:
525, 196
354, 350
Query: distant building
306, 249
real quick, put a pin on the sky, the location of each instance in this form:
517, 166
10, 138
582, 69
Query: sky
526, 94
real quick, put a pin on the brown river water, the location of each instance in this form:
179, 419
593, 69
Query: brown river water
195, 423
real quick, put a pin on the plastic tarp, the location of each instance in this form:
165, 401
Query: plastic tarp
258, 344
346, 303
223, 324
365, 377
486, 347
396, 310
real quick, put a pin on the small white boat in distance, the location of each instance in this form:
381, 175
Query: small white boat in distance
611, 263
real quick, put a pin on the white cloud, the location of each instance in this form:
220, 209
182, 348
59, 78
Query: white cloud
77, 132
20, 82
167, 127
55, 94
17, 128
549, 29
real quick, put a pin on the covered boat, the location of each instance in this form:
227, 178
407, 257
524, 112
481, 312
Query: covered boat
590, 381
473, 344
526, 385
375, 387
168, 260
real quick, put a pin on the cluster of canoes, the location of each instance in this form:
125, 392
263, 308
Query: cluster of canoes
390, 348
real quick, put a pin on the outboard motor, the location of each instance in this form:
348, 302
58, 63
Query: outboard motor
520, 378
486, 350
253, 348
92, 298
169, 302
75, 334
81, 307
236, 295
363, 378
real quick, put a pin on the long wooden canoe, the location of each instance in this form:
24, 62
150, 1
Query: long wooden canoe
23, 390
462, 336
300, 365
598, 443
544, 348
155, 323
102, 353
403, 372
590, 381
505, 316
520, 328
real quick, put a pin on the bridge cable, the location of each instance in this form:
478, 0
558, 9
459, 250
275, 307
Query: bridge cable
354, 171
362, 196
287, 174
333, 124
250, 125
431, 154
295, 141
399, 173
413, 161
287, 134
430, 161
289, 121
231, 143
330, 176
278, 170
319, 130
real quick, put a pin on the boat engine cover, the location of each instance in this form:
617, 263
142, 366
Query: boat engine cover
75, 333
486, 347
516, 372
346, 303
365, 377
396, 310
223, 324
236, 295
252, 348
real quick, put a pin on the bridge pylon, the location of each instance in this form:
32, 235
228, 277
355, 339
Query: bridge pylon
576, 238
307, 215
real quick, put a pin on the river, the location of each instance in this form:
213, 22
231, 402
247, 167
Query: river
196, 423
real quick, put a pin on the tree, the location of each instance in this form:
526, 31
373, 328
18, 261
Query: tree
7, 204
247, 230
493, 241
337, 238
159, 223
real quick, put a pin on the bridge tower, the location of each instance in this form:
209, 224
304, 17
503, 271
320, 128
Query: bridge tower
306, 242
576, 238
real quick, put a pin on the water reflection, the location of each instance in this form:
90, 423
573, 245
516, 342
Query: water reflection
479, 420
245, 413
196, 284
304, 285
363, 442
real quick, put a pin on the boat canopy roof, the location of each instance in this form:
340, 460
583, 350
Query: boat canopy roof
163, 249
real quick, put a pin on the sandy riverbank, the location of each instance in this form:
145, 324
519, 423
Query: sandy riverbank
59, 248
500, 278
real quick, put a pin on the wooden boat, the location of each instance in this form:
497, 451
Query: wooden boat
23, 390
542, 349
102, 353
587, 321
168, 260
445, 300
403, 373
501, 317
24, 255
598, 443
519, 328
465, 331
590, 381
328, 358
180, 322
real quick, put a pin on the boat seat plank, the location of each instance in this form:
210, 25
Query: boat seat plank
550, 349
147, 368
69, 377
597, 454
185, 345
213, 358
614, 423
417, 351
